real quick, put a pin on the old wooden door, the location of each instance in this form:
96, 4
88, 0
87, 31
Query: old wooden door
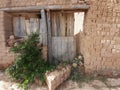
63, 41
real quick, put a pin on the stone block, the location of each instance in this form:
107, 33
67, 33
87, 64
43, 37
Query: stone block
55, 78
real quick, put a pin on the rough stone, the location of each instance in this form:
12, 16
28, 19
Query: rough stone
69, 85
104, 88
98, 83
55, 78
86, 86
113, 82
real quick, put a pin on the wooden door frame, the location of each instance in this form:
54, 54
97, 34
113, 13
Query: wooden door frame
49, 30
47, 26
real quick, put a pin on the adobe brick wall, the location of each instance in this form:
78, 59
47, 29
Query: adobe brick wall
6, 58
100, 42
17, 3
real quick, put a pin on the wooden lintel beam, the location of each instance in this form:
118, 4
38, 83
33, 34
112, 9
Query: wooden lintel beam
52, 7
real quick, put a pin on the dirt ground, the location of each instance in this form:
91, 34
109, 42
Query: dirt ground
109, 84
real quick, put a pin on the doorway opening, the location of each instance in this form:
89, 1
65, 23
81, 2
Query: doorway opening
66, 27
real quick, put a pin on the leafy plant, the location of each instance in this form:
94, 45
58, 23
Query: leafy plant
29, 63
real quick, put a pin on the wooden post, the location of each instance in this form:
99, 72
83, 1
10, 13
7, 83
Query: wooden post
49, 37
43, 26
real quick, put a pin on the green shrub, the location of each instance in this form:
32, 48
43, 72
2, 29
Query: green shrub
29, 63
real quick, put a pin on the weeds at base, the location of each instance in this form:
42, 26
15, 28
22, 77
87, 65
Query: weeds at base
86, 79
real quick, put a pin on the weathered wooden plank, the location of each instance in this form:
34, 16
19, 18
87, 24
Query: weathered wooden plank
62, 24
63, 48
69, 47
69, 44
36, 25
54, 24
16, 25
59, 46
49, 36
55, 49
67, 21
40, 30
31, 25
70, 24
27, 24
22, 27
58, 24
74, 47
54, 7
72, 51
43, 28
67, 51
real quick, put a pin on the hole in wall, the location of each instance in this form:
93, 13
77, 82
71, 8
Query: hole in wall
78, 23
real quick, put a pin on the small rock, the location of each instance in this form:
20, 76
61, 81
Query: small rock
15, 87
35, 87
74, 65
80, 57
105, 88
16, 44
98, 83
86, 86
69, 85
113, 82
4, 85
12, 37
